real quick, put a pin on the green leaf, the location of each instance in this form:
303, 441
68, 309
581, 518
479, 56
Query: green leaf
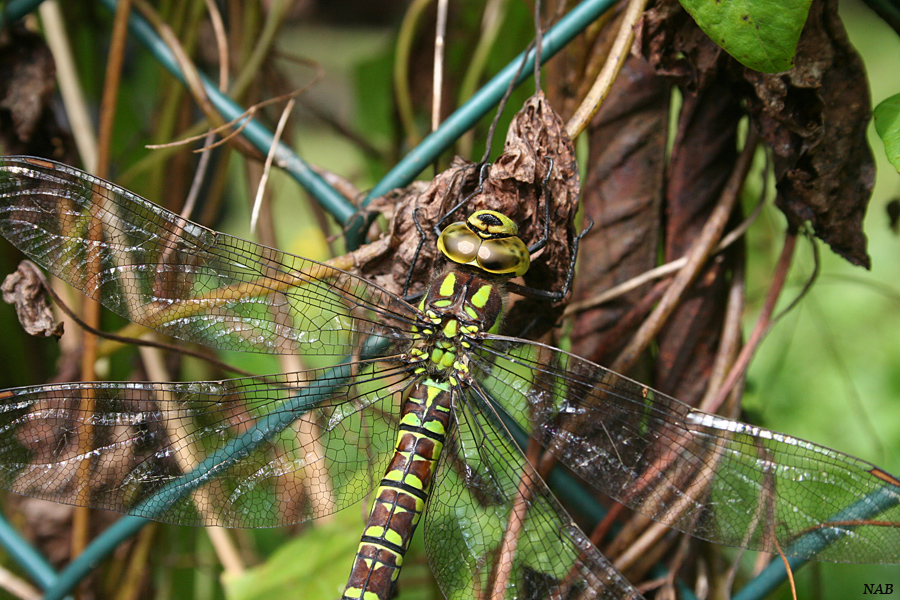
887, 124
316, 563
760, 34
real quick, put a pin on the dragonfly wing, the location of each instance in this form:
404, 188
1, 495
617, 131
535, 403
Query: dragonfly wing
159, 270
493, 529
717, 479
251, 452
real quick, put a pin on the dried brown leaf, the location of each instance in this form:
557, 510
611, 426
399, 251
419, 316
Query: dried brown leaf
702, 160
623, 193
814, 118
24, 289
513, 186
28, 124
28, 79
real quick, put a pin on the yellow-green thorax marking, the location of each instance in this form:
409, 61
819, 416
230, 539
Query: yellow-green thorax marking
457, 307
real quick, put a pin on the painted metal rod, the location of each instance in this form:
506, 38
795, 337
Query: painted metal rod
486, 98
16, 9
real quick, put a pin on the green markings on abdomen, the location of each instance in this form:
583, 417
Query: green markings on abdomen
400, 499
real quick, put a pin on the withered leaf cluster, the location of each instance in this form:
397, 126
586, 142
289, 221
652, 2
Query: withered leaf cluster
650, 201
813, 117
537, 148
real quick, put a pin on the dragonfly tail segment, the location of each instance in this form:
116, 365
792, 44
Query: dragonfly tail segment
400, 499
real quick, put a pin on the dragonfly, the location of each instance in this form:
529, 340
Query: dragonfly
426, 408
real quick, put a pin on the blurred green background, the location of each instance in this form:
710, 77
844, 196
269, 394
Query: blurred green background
830, 370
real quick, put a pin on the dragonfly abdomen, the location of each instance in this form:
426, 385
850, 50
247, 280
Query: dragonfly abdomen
400, 499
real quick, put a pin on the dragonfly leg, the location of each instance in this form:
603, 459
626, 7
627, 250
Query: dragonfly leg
482, 175
411, 298
545, 192
524, 290
406, 295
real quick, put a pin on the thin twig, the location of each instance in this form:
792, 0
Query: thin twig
111, 86
91, 309
187, 455
502, 105
729, 343
18, 587
265, 41
515, 522
188, 69
69, 84
788, 570
538, 45
491, 21
269, 158
315, 479
402, 94
366, 146
763, 322
128, 340
617, 55
128, 586
244, 118
437, 83
660, 271
700, 251
249, 71
218, 26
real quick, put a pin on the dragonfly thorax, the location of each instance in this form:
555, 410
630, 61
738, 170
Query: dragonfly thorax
458, 307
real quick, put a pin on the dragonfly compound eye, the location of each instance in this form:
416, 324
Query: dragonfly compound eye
505, 256
458, 243
498, 253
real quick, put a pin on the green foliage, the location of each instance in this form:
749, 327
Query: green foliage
887, 124
318, 562
321, 573
760, 34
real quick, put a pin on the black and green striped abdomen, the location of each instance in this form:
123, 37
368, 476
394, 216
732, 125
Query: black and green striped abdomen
400, 499
456, 308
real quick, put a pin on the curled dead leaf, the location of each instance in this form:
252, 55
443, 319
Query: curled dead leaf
813, 117
25, 290
513, 185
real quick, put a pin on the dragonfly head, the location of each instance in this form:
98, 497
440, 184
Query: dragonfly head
488, 240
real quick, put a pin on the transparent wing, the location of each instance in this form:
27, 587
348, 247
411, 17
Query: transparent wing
251, 452
156, 269
717, 479
493, 529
